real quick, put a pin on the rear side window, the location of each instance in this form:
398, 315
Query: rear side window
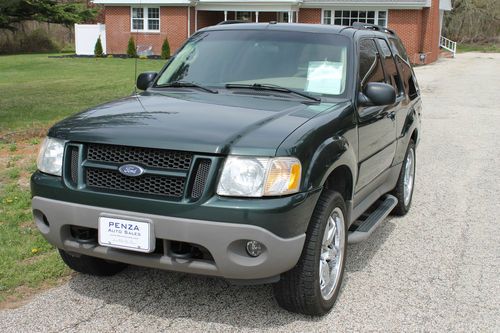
408, 78
391, 70
398, 49
370, 66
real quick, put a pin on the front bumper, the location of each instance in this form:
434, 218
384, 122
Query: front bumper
225, 241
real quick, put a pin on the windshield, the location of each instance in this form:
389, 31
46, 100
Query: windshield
314, 63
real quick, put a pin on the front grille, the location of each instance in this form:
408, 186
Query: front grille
148, 184
169, 175
156, 158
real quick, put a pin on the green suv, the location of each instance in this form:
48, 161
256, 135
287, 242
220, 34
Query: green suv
256, 155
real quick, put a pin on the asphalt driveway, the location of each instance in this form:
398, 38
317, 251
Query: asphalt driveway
436, 269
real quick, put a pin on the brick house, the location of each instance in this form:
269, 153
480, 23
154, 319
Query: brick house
417, 22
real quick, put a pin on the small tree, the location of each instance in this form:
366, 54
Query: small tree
165, 49
131, 50
98, 48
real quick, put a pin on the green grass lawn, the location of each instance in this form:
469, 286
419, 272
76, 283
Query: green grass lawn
487, 48
36, 91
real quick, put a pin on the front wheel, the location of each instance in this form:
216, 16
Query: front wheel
312, 286
406, 181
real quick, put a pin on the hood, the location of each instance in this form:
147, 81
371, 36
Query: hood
199, 122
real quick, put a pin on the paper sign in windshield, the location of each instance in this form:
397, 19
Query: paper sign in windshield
325, 77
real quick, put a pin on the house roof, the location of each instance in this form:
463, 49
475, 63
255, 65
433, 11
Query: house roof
409, 4
368, 3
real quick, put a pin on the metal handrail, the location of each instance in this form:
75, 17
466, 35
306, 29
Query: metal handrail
448, 44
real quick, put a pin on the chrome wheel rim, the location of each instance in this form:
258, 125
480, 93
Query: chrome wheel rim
409, 176
332, 254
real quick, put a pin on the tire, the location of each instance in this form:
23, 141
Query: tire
299, 289
405, 199
90, 265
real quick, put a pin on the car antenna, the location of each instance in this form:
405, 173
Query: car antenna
136, 46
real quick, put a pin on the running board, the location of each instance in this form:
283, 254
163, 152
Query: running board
365, 229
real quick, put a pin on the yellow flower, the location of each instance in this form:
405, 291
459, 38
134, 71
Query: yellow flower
34, 250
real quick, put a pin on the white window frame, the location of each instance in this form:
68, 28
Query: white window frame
145, 20
332, 14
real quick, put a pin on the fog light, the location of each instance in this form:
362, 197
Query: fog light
254, 248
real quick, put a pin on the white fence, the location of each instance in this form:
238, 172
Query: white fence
86, 36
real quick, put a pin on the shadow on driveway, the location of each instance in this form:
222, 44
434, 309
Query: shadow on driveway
170, 295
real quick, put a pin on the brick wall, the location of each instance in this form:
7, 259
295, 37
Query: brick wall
118, 28
419, 31
193, 20
408, 25
430, 33
207, 18
310, 15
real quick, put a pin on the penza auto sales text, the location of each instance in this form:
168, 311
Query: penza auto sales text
124, 228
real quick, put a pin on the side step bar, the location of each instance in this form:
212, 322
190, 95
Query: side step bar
366, 228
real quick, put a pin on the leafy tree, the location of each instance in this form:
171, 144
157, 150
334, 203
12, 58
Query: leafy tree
473, 21
98, 48
131, 49
50, 11
165, 49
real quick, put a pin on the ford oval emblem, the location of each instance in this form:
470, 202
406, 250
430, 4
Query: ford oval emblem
131, 170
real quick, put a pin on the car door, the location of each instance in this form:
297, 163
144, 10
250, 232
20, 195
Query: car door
410, 103
376, 124
393, 76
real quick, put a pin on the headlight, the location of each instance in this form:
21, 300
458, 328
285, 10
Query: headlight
259, 176
50, 156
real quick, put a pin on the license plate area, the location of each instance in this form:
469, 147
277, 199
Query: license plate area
127, 234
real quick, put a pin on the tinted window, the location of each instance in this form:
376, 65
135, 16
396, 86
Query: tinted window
370, 67
391, 70
315, 63
407, 75
398, 49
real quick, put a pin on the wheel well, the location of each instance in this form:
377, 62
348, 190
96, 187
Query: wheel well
340, 180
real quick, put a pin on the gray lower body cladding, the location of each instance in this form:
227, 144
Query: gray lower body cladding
225, 241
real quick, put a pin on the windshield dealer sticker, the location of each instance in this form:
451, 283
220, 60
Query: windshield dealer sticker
324, 77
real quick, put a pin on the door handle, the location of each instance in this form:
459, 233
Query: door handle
391, 115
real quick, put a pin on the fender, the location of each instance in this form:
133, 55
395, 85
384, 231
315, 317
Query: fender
331, 154
324, 143
412, 123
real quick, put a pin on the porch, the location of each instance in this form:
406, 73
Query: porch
212, 14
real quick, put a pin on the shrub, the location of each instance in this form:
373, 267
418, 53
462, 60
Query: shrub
131, 49
165, 49
98, 48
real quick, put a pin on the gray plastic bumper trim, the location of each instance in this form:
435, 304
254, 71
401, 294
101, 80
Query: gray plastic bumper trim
225, 241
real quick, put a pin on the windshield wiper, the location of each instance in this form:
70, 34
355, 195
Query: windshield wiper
185, 84
271, 87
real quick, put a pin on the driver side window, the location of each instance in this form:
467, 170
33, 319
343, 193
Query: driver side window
370, 66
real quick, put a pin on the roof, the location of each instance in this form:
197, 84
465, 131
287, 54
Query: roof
368, 3
298, 27
304, 3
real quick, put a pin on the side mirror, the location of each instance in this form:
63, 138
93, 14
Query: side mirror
377, 93
145, 79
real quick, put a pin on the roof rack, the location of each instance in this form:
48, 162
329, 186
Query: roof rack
367, 26
231, 22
